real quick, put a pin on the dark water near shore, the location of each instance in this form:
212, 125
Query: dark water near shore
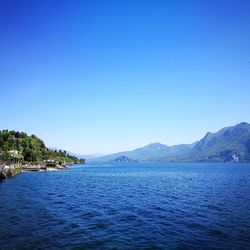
151, 206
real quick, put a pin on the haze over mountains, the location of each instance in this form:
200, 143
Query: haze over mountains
230, 144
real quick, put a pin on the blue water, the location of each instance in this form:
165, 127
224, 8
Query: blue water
150, 206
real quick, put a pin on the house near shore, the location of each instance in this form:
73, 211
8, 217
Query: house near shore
49, 161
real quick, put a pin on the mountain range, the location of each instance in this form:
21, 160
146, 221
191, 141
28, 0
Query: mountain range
230, 144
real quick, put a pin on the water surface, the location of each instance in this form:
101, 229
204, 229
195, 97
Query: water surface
128, 206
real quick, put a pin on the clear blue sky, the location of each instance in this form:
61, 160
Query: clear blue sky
104, 76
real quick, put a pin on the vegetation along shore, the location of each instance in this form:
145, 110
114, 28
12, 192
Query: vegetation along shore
20, 152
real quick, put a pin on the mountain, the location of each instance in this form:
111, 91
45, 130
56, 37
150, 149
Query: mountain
230, 144
150, 153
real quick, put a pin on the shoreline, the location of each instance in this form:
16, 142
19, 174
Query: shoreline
8, 171
37, 168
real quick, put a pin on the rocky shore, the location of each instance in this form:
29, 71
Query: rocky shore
7, 171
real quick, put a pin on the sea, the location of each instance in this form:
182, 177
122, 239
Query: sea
128, 206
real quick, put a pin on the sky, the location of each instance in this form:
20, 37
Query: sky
107, 76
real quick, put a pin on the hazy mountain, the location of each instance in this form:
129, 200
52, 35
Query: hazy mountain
89, 156
80, 156
230, 144
150, 153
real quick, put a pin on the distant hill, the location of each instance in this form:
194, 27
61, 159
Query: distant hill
123, 159
230, 144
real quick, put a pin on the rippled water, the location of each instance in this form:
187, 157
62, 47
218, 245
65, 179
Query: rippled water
150, 206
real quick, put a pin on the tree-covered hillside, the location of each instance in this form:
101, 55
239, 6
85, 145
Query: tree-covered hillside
19, 146
229, 144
